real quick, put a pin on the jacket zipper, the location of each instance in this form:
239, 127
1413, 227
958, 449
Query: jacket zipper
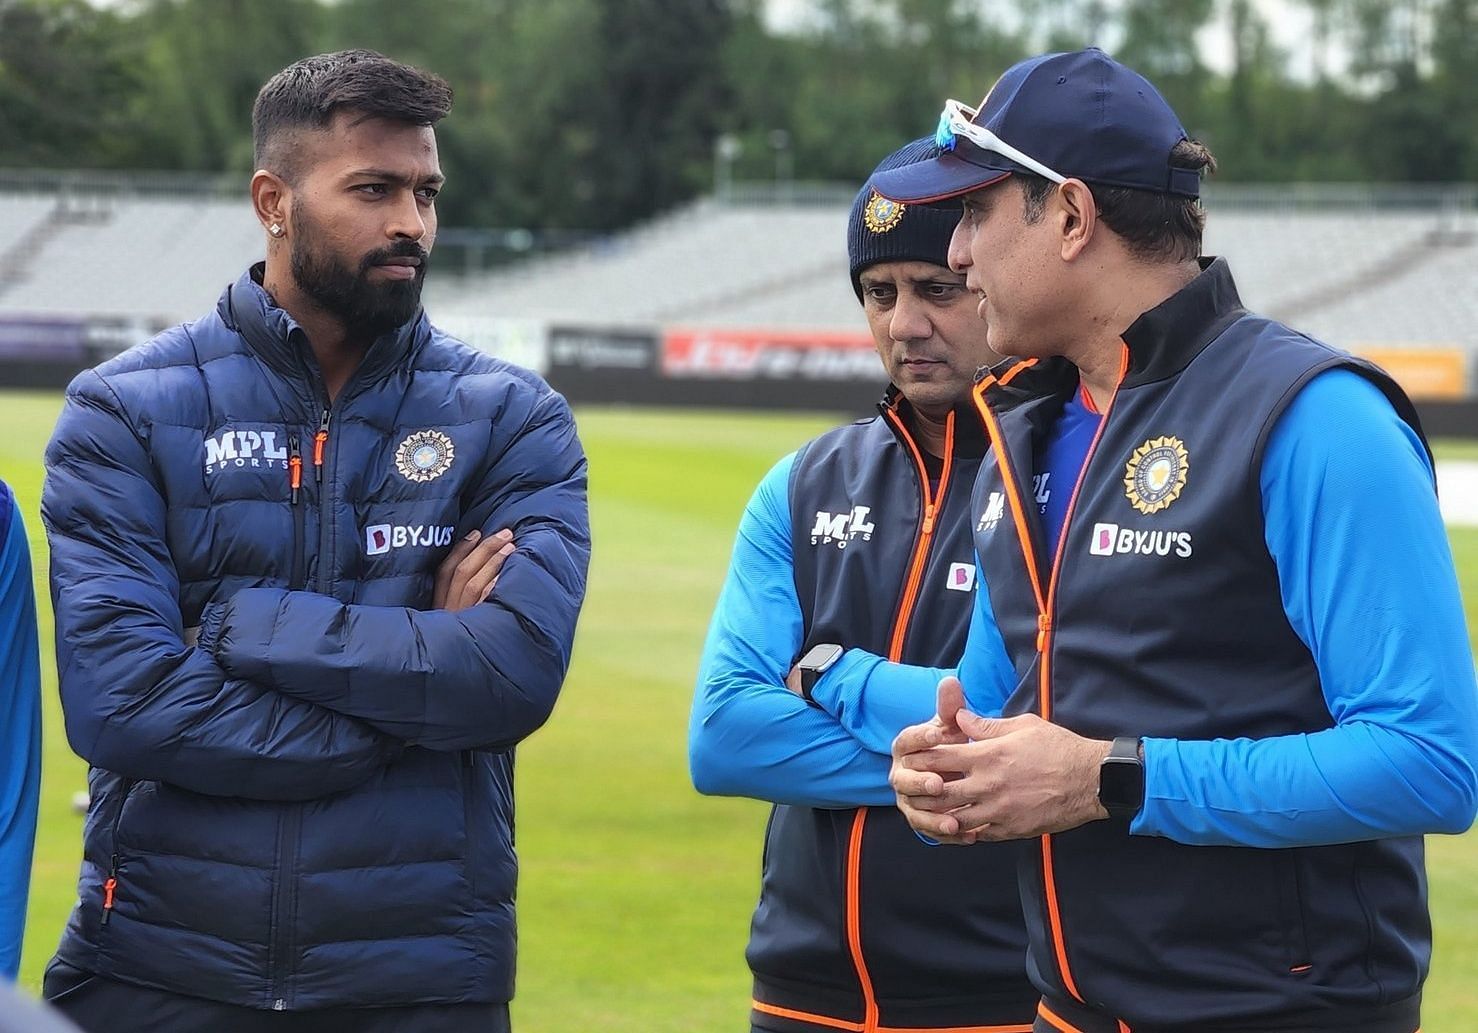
320, 439
930, 503
1046, 615
289, 826
469, 816
110, 884
295, 482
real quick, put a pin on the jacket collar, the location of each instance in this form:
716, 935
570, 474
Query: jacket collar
970, 439
1164, 340
281, 343
1161, 343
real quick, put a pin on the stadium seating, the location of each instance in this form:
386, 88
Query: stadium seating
159, 260
1351, 271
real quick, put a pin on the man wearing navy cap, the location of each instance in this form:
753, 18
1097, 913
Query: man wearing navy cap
862, 538
1240, 685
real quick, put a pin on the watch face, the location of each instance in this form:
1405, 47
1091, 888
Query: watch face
820, 657
1121, 785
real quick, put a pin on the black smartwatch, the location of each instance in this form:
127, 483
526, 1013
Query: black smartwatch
817, 661
1121, 778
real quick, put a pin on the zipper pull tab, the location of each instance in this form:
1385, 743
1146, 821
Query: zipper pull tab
295, 467
1044, 626
929, 518
319, 440
109, 886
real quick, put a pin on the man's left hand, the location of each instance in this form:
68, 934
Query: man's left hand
1019, 777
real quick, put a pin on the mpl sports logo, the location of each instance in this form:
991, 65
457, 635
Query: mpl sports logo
1113, 540
840, 528
258, 449
381, 538
995, 508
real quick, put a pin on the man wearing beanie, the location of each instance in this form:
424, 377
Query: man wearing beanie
861, 539
1245, 689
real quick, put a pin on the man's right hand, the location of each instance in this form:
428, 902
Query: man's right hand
467, 576
917, 789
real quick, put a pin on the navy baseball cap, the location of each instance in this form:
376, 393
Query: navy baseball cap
1079, 115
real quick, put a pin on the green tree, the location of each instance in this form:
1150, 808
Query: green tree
200, 64
63, 86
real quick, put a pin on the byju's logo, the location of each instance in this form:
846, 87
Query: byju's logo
961, 577
245, 448
840, 528
381, 538
1113, 540
995, 508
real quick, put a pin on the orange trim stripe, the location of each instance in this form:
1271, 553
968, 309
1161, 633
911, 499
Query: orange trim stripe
1055, 1020
801, 1016
1020, 367
1054, 916
857, 1027
1087, 400
1044, 693
854, 920
931, 506
1003, 460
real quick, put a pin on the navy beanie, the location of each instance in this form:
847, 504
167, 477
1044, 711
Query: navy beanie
880, 230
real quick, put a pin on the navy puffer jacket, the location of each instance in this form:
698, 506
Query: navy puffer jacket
312, 805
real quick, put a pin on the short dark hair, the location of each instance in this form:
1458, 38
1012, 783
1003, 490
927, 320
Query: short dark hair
308, 93
1154, 226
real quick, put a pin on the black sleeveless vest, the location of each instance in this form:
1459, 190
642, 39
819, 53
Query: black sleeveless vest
859, 921
1162, 618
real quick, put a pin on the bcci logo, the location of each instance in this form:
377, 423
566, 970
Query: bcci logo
1155, 474
425, 455
880, 215
841, 528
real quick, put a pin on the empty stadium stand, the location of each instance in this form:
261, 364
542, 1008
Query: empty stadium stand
1359, 266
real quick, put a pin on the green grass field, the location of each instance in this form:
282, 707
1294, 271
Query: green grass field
636, 892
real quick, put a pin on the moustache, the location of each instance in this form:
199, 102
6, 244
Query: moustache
404, 249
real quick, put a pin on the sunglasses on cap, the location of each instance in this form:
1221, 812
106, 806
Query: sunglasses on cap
956, 120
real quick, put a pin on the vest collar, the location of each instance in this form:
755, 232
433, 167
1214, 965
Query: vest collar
970, 438
282, 344
1164, 340
1161, 342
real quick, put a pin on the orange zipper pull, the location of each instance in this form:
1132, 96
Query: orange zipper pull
319, 440
295, 467
109, 885
1044, 626
929, 518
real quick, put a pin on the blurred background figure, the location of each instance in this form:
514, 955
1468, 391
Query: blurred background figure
20, 730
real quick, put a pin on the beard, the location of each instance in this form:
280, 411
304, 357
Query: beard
367, 309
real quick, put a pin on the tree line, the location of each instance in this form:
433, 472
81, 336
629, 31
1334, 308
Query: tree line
594, 114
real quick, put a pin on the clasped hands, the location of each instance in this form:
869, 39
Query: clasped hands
961, 778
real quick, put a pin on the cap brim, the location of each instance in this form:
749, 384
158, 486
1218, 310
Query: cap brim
937, 179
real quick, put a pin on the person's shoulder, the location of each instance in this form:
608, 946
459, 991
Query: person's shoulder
7, 512
478, 377
160, 366
847, 438
1342, 405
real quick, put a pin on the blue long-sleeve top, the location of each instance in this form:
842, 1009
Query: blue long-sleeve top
750, 735
20, 730
1367, 582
